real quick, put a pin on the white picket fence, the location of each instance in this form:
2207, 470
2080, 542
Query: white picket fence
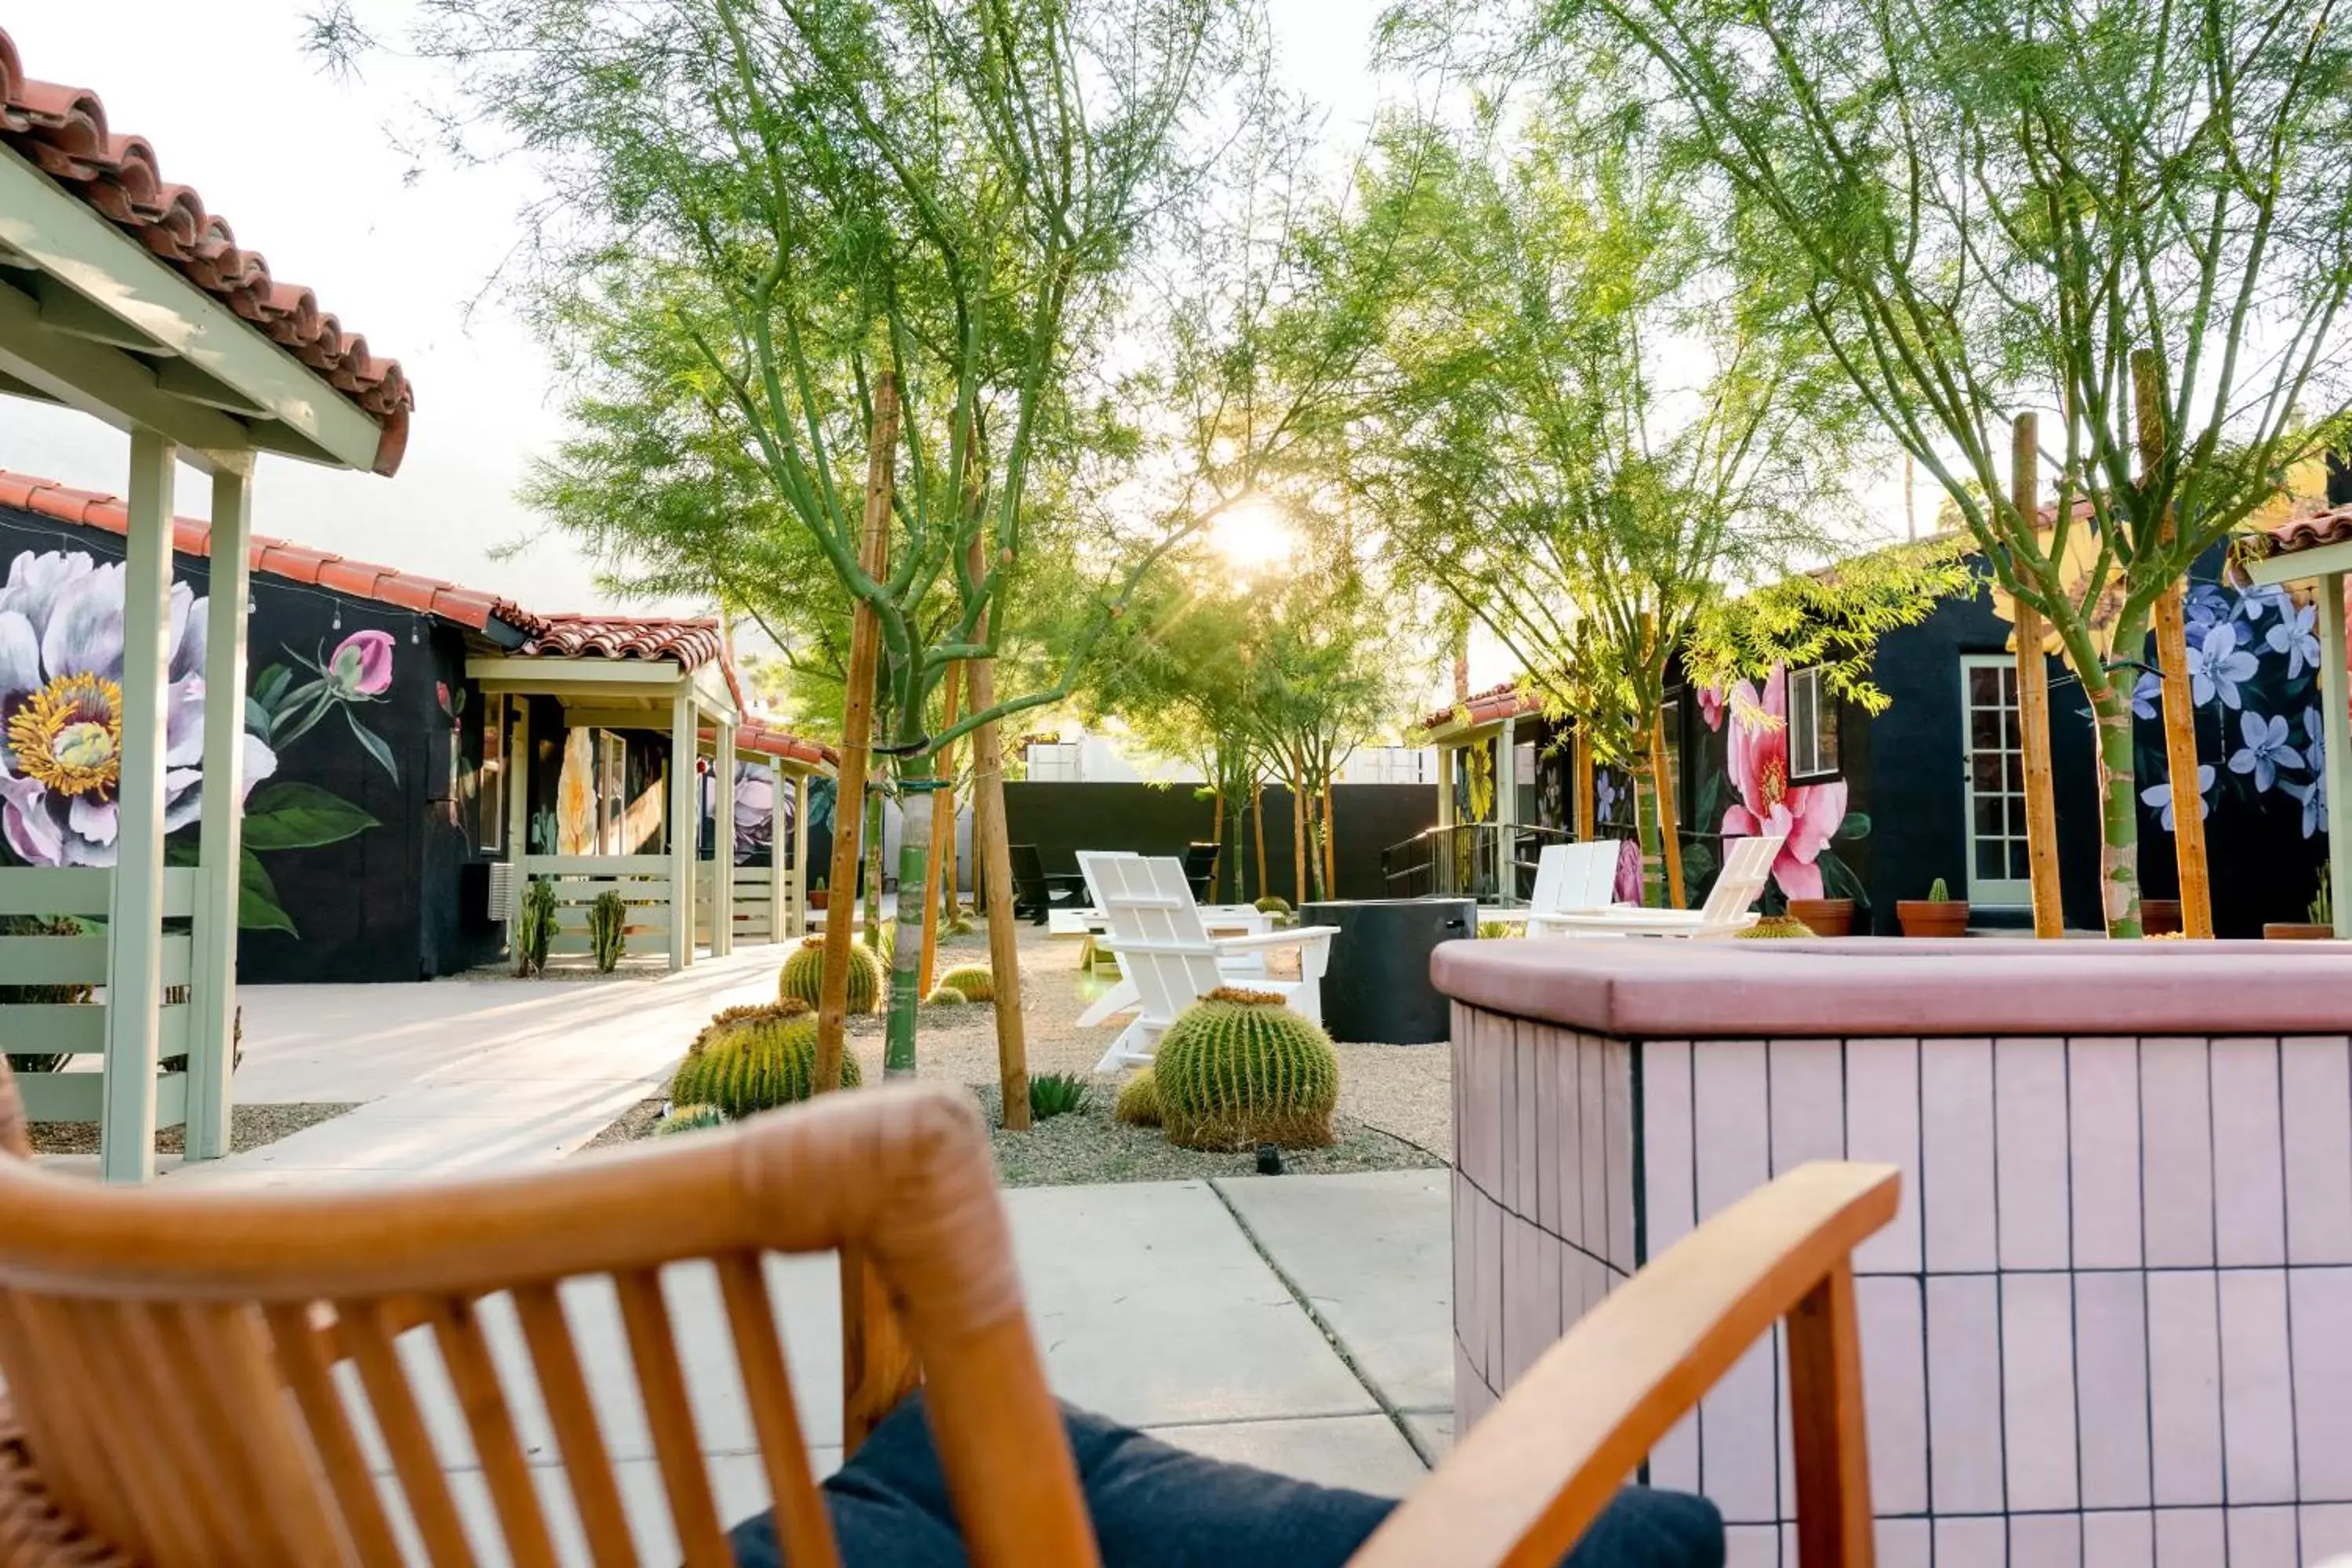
74, 1092
642, 880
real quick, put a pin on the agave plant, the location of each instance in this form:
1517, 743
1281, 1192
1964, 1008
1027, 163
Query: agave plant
1055, 1093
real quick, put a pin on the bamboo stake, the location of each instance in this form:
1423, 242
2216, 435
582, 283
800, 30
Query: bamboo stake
1298, 836
857, 738
1579, 760
995, 854
2172, 659
1661, 785
943, 837
2033, 701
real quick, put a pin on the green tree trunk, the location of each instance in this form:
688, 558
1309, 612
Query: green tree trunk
915, 778
2120, 807
873, 891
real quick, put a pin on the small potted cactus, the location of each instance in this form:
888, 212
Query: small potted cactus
1937, 914
1823, 917
2320, 927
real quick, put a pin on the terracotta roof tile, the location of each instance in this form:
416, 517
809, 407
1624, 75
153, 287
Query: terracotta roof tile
757, 739
691, 642
2331, 527
277, 558
63, 131
1502, 701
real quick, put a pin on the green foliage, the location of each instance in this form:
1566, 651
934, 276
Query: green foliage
804, 975
1497, 930
690, 1119
1139, 1102
535, 930
1938, 892
1831, 618
607, 930
1238, 1068
1772, 928
1055, 1094
754, 1061
976, 981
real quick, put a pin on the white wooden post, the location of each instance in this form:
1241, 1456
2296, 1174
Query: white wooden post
722, 842
800, 856
134, 960
2336, 727
517, 764
212, 1022
1446, 755
1507, 777
682, 827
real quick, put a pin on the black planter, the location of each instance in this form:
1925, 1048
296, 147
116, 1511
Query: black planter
1376, 988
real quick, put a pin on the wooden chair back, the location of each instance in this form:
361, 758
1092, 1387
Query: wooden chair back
1029, 886
1200, 870
200, 1376
1157, 932
1746, 867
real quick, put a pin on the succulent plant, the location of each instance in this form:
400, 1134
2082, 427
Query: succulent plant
1055, 1094
1239, 1068
783, 1012
960, 926
1771, 927
804, 975
976, 981
754, 1063
1938, 892
534, 933
1139, 1102
1271, 905
946, 997
690, 1119
608, 920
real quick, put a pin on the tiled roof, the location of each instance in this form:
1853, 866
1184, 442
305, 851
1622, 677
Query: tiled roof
692, 643
2331, 527
757, 739
277, 558
1502, 702
63, 131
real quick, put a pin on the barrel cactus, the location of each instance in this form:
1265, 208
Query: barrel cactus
976, 981
754, 1062
1271, 905
946, 997
690, 1119
1238, 1068
1771, 928
804, 975
1139, 1102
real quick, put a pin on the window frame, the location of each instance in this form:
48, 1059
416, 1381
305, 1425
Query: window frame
490, 779
1822, 703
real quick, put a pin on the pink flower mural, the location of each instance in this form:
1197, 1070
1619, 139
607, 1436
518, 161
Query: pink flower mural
1710, 706
1806, 816
361, 665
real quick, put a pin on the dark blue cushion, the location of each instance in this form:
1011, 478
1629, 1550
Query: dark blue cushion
1155, 1505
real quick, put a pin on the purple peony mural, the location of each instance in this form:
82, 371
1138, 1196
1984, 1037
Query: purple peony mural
755, 812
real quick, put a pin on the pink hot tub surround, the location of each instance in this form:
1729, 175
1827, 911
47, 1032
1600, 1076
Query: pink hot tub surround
2112, 1325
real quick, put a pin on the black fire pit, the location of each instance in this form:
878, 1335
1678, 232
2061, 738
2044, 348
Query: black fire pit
1376, 988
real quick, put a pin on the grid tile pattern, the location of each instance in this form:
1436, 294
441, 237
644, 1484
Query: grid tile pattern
2107, 1327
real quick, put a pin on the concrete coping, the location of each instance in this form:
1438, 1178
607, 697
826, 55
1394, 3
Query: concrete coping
1646, 988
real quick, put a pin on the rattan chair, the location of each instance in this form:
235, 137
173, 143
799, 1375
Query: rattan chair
172, 1356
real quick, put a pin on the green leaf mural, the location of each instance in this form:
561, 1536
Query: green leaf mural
293, 815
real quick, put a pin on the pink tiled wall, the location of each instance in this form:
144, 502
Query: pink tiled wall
2111, 1325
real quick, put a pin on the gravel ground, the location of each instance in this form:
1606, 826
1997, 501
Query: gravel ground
249, 1126
1395, 1101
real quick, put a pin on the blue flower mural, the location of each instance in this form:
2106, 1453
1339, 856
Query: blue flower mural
2266, 750
2217, 667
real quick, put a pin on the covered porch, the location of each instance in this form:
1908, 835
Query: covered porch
122, 298
1486, 837
760, 821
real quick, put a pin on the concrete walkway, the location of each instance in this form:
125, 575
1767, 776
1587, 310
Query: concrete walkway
1295, 1323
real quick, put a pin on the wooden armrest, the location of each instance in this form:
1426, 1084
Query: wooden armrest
1296, 936
1522, 1485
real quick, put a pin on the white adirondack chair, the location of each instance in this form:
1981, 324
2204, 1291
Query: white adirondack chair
1122, 997
1573, 878
1167, 952
1746, 866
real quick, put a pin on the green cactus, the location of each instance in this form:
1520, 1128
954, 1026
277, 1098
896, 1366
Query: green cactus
726, 1018
1772, 927
750, 1064
977, 983
960, 926
1270, 905
535, 931
1238, 1068
2323, 907
946, 997
804, 975
1139, 1102
1938, 893
608, 920
690, 1119
1495, 931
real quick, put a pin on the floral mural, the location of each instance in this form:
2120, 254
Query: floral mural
755, 812
61, 648
1808, 817
2254, 670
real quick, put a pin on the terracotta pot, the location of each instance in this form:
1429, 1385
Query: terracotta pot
1933, 917
2297, 931
1824, 917
2160, 917
819, 897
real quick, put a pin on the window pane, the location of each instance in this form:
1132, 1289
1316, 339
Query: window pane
1984, 768
1984, 687
1991, 821
1825, 724
2020, 860
2016, 773
1989, 860
1984, 729
2011, 732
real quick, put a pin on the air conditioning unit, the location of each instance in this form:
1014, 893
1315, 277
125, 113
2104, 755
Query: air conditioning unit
502, 887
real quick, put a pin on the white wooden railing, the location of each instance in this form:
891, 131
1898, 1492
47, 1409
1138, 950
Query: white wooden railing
642, 880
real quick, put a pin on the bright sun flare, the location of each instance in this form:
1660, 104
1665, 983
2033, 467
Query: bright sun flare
1253, 537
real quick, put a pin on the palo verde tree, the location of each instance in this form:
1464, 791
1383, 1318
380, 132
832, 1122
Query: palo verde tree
1986, 210
879, 224
1595, 436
